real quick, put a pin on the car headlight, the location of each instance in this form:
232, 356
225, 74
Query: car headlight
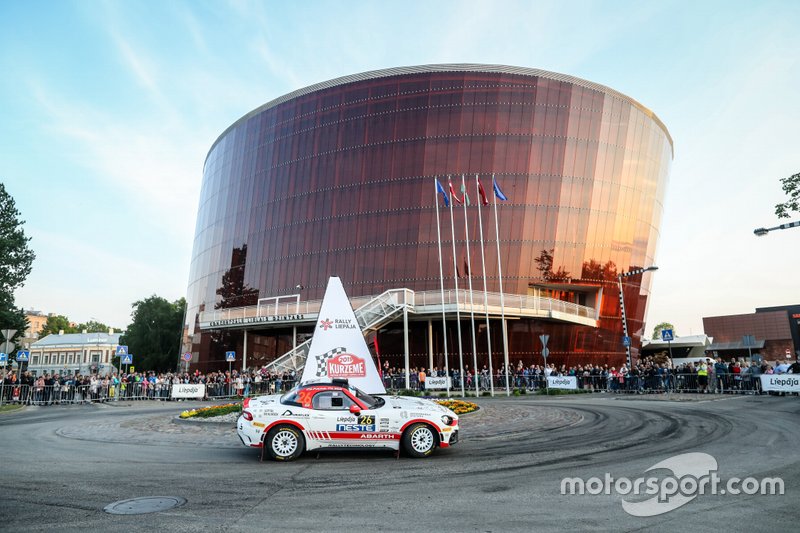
447, 420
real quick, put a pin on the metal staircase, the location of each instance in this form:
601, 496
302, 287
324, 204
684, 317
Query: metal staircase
371, 316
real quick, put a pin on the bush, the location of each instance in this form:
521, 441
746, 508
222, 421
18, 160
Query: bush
408, 392
214, 410
486, 393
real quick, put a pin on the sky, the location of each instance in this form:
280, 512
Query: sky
108, 109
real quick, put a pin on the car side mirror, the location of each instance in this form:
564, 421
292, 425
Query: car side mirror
355, 410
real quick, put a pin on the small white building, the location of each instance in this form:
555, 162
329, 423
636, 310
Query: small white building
690, 348
73, 353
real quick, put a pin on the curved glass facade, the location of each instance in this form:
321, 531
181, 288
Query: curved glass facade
337, 179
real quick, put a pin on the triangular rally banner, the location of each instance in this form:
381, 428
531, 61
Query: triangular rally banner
338, 348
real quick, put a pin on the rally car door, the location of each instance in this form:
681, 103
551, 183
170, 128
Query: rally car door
334, 424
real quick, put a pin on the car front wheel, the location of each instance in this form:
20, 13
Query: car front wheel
284, 443
419, 440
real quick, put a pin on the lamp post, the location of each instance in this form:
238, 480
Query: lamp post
622, 308
760, 232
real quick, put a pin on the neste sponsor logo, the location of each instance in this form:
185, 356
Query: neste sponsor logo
355, 427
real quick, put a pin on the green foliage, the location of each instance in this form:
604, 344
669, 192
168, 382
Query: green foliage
56, 323
93, 326
16, 262
791, 186
154, 335
11, 317
408, 392
663, 325
218, 410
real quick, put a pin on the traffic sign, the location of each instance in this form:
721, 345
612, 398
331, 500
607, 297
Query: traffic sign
626, 341
230, 356
544, 339
666, 335
3, 357
23, 355
126, 359
545, 352
749, 340
187, 357
121, 350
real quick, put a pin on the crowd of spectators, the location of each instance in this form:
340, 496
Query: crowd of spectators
78, 388
649, 375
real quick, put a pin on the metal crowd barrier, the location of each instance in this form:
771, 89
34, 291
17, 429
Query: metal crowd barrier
663, 383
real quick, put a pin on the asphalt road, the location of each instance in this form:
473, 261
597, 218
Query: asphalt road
64, 464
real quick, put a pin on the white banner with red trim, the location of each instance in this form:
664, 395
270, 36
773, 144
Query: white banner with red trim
338, 348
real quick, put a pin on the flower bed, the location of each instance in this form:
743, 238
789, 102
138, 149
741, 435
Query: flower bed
214, 410
459, 407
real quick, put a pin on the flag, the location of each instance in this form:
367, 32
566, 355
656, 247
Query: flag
497, 191
440, 190
458, 200
484, 200
464, 194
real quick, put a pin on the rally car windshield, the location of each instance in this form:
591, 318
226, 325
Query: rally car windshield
372, 402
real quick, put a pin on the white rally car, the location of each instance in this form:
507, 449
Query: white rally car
334, 414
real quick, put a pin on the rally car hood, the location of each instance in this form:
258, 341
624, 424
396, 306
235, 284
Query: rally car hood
264, 401
417, 404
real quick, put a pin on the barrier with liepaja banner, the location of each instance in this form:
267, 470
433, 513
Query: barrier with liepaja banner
780, 383
437, 383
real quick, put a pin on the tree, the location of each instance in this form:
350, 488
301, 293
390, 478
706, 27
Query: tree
56, 323
659, 327
545, 265
791, 186
16, 262
154, 335
93, 326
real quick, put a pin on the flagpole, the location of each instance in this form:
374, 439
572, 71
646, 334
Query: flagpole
455, 277
485, 291
469, 278
502, 297
441, 274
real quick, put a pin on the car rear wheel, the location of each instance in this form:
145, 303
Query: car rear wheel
284, 443
419, 440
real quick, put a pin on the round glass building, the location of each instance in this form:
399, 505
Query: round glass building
338, 179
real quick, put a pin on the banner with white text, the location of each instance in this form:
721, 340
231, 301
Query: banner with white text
432, 383
562, 382
189, 390
780, 382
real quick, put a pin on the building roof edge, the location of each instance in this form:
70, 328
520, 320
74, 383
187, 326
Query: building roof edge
445, 67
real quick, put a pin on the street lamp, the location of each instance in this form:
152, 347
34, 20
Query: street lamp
622, 308
760, 232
